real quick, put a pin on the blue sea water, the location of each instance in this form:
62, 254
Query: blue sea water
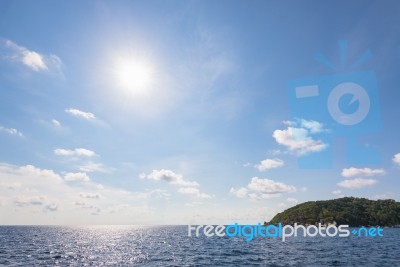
171, 246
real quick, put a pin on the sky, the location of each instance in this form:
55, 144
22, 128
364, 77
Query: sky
191, 112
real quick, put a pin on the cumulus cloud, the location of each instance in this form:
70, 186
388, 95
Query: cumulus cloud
33, 60
11, 131
262, 189
76, 176
268, 186
30, 170
80, 152
297, 138
357, 183
269, 164
169, 177
396, 159
361, 172
240, 193
81, 114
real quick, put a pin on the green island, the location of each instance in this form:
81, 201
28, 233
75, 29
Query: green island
352, 211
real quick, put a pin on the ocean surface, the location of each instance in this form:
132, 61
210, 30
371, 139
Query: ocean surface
170, 246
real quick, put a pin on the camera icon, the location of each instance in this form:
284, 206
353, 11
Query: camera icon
347, 104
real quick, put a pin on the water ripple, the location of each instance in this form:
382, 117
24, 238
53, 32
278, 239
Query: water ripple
170, 246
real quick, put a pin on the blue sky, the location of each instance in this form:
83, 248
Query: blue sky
174, 112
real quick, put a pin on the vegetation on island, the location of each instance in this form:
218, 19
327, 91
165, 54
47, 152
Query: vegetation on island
352, 211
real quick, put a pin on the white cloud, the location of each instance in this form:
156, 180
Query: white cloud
38, 201
269, 164
269, 186
81, 114
11, 131
336, 192
33, 200
187, 187
240, 193
55, 122
247, 164
93, 167
361, 172
357, 183
32, 59
169, 177
298, 139
156, 193
80, 152
312, 126
11, 186
90, 195
42, 194
396, 159
193, 191
31, 170
76, 176
259, 189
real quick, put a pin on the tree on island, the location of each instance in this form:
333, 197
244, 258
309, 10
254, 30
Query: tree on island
352, 211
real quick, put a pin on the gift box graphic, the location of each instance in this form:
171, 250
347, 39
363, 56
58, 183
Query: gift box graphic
348, 106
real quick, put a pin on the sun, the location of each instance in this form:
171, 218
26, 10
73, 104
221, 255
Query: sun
134, 75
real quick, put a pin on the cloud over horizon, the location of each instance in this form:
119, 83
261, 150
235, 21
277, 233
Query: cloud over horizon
357, 183
31, 191
259, 189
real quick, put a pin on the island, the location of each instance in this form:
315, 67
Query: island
351, 211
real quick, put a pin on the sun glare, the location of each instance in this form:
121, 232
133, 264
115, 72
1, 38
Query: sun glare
133, 75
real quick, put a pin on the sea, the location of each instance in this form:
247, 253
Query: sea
171, 246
